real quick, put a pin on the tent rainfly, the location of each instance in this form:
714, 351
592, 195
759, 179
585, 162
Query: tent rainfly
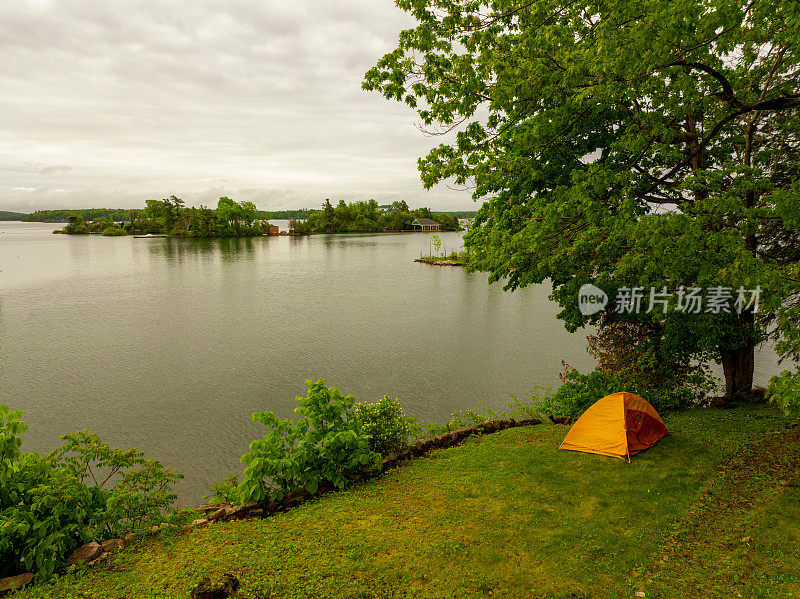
619, 425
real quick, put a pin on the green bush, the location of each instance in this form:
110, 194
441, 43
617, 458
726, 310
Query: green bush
141, 491
225, 491
385, 425
784, 390
114, 231
325, 445
579, 391
48, 508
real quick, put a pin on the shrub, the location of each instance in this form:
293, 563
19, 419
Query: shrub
784, 390
325, 445
225, 491
114, 231
579, 391
47, 507
141, 490
634, 351
459, 420
48, 516
385, 425
300, 227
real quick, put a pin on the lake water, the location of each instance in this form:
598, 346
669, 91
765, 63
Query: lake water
169, 345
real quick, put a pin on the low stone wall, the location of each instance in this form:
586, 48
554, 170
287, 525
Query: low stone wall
94, 552
255, 509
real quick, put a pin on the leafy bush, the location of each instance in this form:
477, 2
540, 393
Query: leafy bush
114, 231
579, 391
142, 488
635, 352
225, 491
385, 425
47, 507
326, 444
784, 390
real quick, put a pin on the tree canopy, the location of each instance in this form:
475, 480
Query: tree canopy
627, 144
366, 216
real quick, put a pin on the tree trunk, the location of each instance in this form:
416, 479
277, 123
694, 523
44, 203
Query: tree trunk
738, 365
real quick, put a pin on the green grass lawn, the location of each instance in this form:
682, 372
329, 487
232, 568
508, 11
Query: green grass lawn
743, 532
505, 515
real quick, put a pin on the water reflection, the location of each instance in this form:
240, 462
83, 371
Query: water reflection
237, 248
196, 250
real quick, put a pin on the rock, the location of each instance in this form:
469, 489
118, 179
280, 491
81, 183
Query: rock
211, 507
218, 589
220, 513
722, 403
295, 498
99, 559
490, 426
112, 544
425, 445
15, 582
85, 553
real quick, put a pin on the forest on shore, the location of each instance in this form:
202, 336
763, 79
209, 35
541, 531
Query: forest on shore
120, 215
369, 216
172, 217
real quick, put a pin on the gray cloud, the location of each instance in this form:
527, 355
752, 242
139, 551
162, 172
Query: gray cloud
256, 98
53, 169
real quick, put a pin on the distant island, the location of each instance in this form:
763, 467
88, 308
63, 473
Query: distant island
123, 214
360, 217
241, 219
171, 217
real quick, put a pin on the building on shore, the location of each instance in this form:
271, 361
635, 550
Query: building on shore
424, 224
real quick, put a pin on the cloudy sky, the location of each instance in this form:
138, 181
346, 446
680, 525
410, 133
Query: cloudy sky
108, 104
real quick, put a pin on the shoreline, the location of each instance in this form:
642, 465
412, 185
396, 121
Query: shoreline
439, 262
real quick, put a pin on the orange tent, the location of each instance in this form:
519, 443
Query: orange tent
619, 425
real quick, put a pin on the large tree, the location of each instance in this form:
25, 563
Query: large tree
625, 143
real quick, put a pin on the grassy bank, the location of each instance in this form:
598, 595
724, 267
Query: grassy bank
507, 515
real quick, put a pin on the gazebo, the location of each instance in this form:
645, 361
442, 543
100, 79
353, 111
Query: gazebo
424, 224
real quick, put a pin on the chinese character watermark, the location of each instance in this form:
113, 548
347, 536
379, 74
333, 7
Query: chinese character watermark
687, 300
